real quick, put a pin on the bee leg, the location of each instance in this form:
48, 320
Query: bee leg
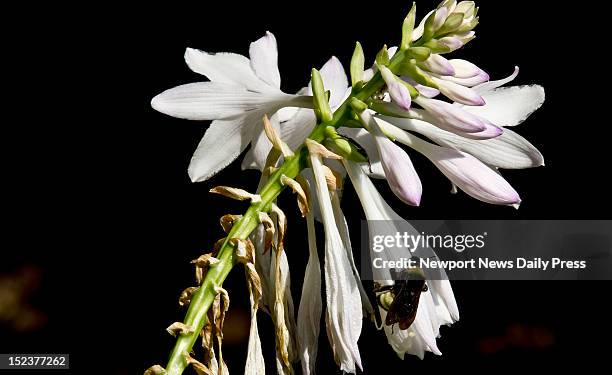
381, 288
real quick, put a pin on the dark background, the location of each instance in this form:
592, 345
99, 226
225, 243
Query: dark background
101, 220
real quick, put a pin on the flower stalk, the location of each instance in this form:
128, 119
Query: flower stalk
202, 299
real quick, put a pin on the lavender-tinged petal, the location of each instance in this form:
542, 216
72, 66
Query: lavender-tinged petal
438, 65
426, 91
472, 176
468, 82
399, 92
464, 68
458, 93
450, 117
451, 42
491, 85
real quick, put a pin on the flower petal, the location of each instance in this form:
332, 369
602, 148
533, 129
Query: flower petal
222, 143
228, 68
311, 305
472, 176
399, 171
334, 80
213, 101
295, 130
451, 117
507, 151
366, 141
260, 147
438, 65
344, 309
464, 68
264, 59
459, 93
491, 85
510, 106
418, 31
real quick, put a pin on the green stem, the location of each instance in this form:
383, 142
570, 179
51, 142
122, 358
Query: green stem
204, 296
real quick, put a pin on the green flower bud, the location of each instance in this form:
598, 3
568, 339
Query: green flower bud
436, 47
418, 53
465, 7
467, 26
320, 97
451, 24
410, 68
357, 105
357, 65
428, 31
408, 27
388, 109
345, 148
382, 57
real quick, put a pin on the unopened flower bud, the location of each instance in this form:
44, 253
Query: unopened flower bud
410, 68
465, 7
451, 24
398, 89
418, 53
436, 47
357, 65
320, 97
439, 19
438, 65
346, 149
459, 93
408, 27
382, 57
464, 68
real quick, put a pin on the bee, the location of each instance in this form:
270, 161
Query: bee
401, 300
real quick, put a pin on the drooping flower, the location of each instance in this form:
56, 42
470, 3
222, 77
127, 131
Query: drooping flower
311, 305
437, 306
343, 315
240, 92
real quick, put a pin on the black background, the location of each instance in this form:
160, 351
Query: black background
99, 210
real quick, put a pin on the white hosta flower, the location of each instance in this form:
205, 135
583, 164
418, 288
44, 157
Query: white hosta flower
437, 306
295, 128
508, 106
311, 305
239, 93
344, 310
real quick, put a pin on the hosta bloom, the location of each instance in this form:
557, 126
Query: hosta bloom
311, 305
240, 92
437, 306
343, 315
